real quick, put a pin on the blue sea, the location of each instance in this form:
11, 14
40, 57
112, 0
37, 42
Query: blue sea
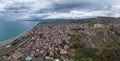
11, 29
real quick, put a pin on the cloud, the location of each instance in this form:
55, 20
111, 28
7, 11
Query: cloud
44, 9
74, 14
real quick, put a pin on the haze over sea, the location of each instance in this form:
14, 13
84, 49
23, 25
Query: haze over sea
11, 29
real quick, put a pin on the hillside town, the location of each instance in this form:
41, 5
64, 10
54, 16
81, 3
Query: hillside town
49, 41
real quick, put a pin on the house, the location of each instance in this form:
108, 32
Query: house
72, 54
63, 51
17, 55
99, 25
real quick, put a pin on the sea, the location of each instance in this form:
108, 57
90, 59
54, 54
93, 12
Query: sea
11, 29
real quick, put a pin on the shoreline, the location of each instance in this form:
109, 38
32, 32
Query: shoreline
6, 42
3, 43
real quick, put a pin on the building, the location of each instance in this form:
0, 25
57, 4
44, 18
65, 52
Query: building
99, 25
17, 55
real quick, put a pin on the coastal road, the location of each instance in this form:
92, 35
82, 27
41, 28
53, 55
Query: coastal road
10, 49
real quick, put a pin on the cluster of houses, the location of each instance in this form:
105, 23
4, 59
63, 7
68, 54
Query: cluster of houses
49, 42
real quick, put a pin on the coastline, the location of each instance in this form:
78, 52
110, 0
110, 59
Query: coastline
3, 43
6, 42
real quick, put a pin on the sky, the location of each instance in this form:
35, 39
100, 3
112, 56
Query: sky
57, 9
